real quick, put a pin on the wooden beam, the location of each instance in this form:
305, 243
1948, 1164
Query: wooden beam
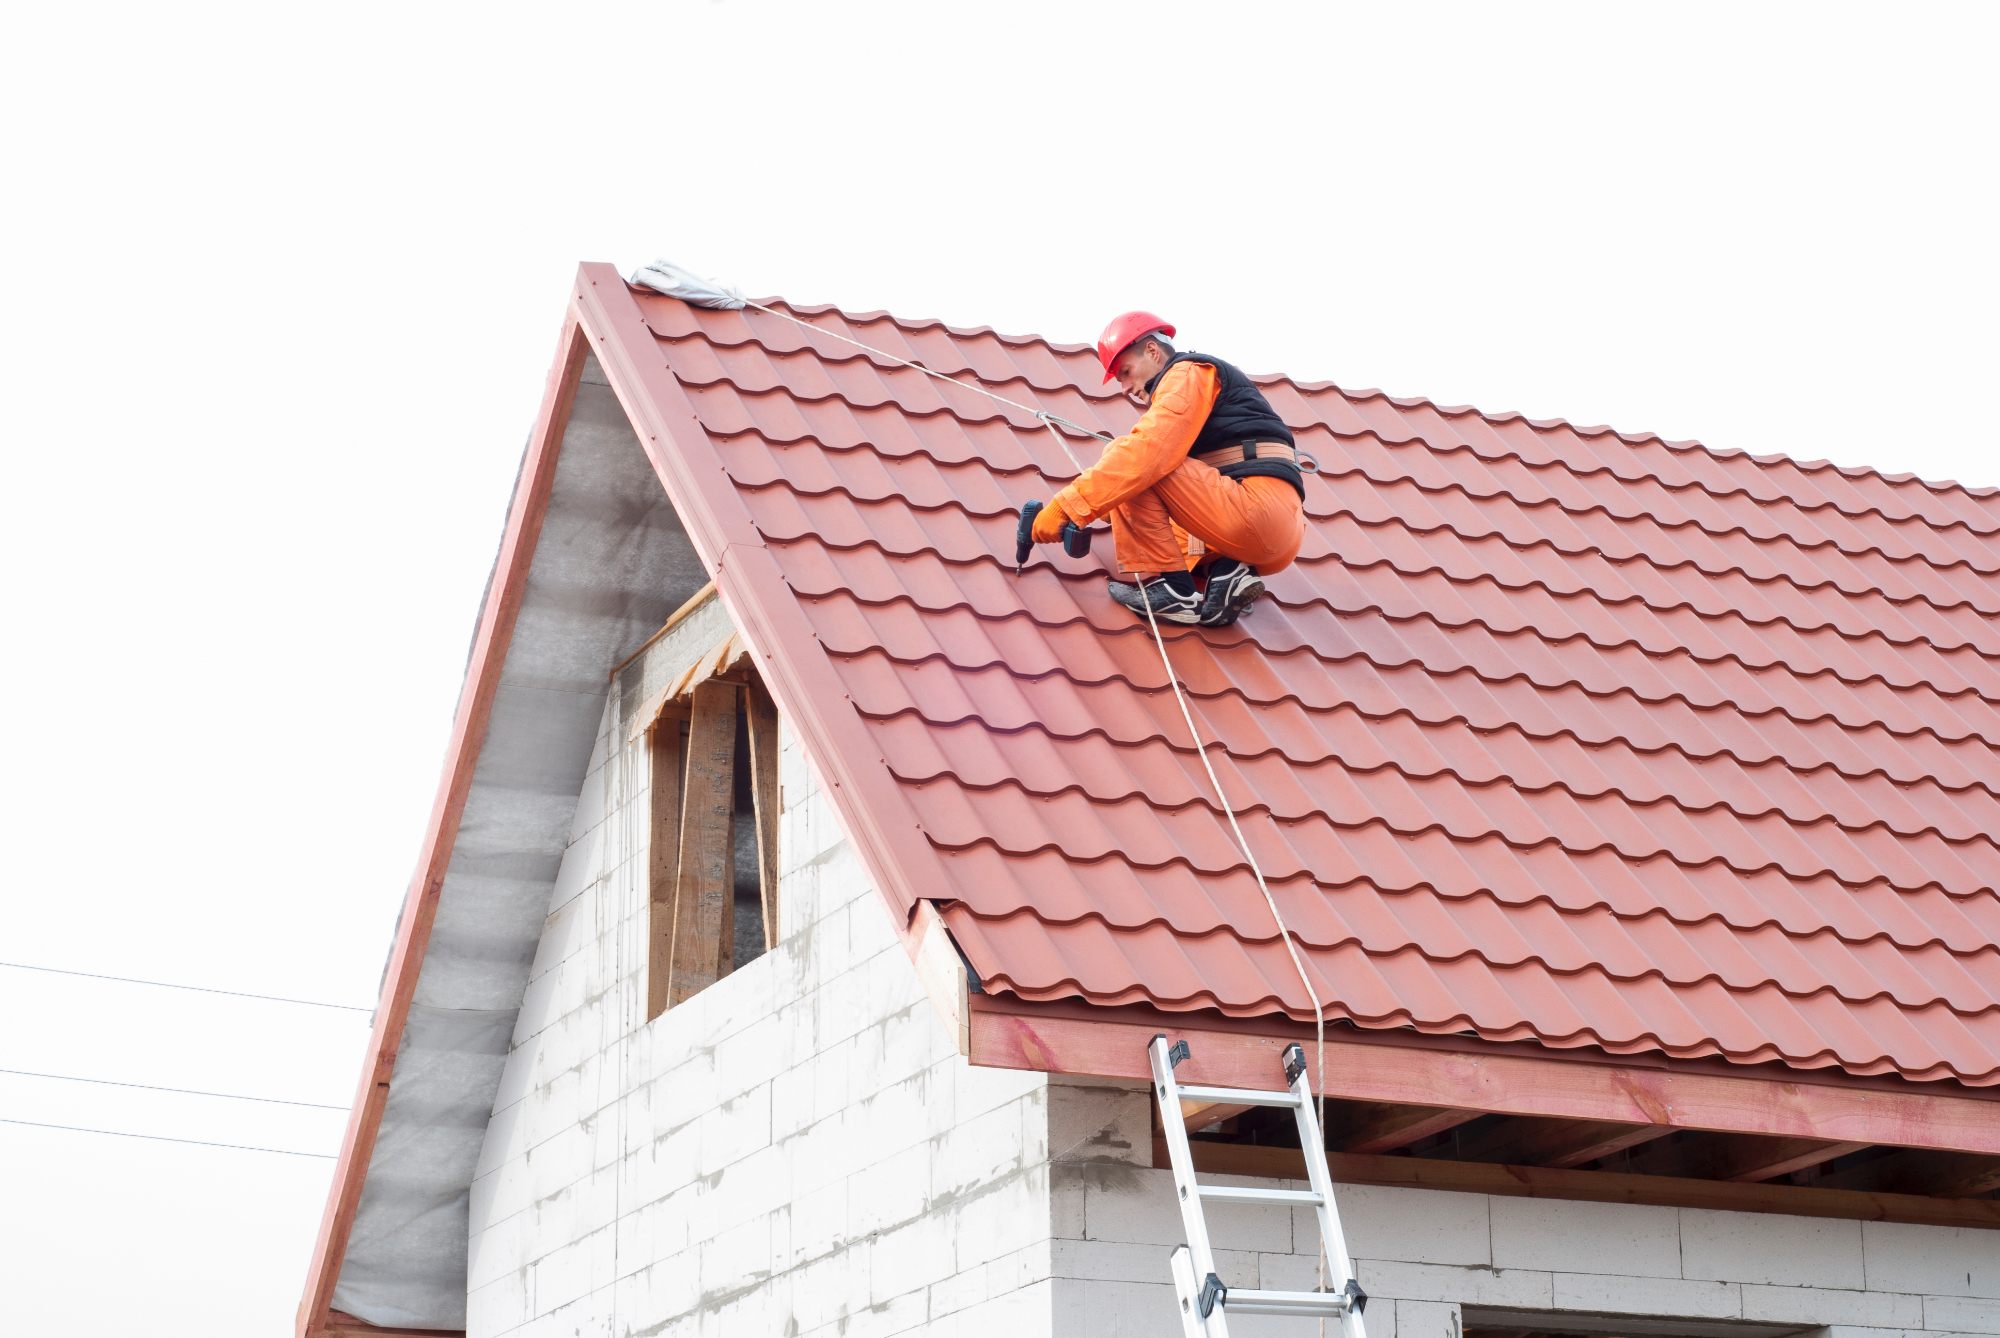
340, 1324
1541, 1182
665, 752
1111, 1043
762, 714
1947, 1175
1541, 1141
1374, 1126
1197, 1115
1743, 1158
704, 892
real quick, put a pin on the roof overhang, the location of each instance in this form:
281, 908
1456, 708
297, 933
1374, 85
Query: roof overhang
1517, 1079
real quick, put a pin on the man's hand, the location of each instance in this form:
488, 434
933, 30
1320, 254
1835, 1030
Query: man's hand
1049, 522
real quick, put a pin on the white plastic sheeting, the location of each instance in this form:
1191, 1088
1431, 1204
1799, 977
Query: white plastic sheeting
664, 276
611, 564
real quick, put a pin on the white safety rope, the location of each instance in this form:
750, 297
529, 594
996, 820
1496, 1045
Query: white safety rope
1048, 419
1298, 964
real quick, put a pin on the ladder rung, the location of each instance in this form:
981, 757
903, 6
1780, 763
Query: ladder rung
1247, 1302
1298, 1198
1237, 1096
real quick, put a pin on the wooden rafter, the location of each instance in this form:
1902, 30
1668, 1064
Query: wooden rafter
1373, 1126
1948, 1175
1739, 1157
1592, 1186
1542, 1141
1200, 1114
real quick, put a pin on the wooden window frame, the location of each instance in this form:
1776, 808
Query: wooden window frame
689, 731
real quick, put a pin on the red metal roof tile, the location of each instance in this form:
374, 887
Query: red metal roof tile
1552, 733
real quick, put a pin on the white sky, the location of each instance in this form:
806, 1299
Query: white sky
281, 283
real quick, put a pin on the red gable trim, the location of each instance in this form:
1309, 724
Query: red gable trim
468, 732
873, 809
1111, 1043
603, 318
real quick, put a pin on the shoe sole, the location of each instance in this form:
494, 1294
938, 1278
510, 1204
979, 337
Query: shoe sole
1240, 599
1183, 617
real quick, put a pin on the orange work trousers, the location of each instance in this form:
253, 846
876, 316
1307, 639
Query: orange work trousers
1195, 512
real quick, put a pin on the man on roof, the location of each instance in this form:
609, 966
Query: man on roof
1207, 481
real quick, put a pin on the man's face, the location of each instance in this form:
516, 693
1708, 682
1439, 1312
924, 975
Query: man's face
1138, 365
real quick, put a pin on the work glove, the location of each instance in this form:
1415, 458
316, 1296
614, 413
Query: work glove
1049, 522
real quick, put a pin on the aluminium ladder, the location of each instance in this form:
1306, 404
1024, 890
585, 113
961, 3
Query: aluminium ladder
1204, 1300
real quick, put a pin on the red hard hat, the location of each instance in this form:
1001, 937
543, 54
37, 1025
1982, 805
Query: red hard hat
1123, 330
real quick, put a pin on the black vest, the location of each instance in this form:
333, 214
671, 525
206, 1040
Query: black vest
1241, 414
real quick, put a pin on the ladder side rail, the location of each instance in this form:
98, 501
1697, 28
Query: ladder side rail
1186, 1290
1201, 1256
1339, 1265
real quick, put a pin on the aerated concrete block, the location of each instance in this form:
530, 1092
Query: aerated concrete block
908, 1259
1607, 1293
1962, 1314
1419, 1226
1416, 1319
1614, 1238
1769, 1248
1091, 1309
1819, 1305
1941, 1261
1522, 1288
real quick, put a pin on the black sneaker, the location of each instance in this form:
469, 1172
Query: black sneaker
1169, 605
1232, 587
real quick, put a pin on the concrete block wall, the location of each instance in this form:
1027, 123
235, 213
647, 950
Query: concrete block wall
798, 1150
1432, 1260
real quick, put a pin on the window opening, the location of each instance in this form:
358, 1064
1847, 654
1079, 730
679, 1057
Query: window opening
712, 858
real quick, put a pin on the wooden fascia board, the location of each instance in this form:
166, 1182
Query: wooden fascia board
873, 812
1013, 1035
1542, 1182
342, 1325
468, 733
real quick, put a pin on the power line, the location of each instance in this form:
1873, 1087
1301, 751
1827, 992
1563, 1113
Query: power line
162, 1138
179, 1091
198, 989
